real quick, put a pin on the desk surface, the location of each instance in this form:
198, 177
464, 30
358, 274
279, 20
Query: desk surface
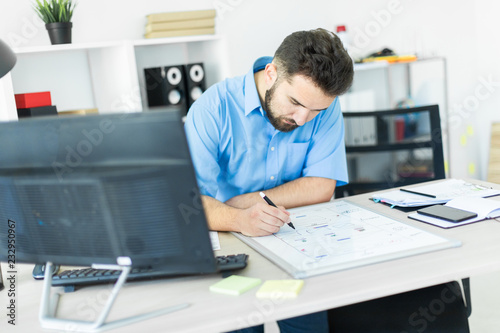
209, 312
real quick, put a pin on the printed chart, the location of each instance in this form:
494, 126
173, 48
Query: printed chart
339, 235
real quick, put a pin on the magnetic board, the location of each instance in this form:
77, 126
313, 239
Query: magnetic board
339, 235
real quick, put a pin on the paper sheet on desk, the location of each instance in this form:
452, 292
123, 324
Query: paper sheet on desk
214, 238
444, 192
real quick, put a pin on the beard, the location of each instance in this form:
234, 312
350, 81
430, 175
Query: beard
278, 122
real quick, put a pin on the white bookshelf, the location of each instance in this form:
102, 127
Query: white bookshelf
370, 65
381, 85
64, 47
174, 40
108, 76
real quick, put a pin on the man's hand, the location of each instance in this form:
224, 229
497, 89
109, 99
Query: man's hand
259, 219
262, 219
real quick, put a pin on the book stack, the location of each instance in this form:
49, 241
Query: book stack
35, 104
173, 24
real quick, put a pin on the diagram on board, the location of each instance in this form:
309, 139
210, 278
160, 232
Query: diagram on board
344, 229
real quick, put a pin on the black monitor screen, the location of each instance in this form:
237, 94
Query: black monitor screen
85, 190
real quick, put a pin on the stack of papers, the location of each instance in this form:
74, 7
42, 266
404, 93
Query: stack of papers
443, 192
484, 208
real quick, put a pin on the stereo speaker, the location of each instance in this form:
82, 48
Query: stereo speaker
165, 86
195, 82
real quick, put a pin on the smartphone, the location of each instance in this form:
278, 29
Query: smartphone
447, 213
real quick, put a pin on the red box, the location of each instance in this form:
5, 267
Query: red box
33, 100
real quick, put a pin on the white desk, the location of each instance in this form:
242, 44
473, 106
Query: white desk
209, 312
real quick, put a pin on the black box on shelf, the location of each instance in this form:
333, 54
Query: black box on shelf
50, 110
195, 82
165, 86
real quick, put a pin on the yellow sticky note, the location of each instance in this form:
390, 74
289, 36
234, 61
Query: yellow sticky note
280, 289
235, 285
463, 140
472, 168
470, 130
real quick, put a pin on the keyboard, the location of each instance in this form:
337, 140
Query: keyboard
91, 276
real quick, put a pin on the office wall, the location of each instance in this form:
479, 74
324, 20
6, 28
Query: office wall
463, 31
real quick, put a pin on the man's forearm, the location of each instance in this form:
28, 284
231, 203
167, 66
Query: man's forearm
220, 216
299, 192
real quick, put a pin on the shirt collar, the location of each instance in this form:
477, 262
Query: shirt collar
252, 100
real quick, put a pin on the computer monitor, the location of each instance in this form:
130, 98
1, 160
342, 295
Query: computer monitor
87, 190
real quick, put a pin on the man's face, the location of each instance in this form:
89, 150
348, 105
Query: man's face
292, 104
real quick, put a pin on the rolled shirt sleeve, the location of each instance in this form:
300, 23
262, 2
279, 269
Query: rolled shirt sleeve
202, 131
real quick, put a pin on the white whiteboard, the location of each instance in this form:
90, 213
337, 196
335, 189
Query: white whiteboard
338, 235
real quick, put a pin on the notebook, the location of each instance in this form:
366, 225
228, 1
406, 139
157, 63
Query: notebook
436, 193
484, 208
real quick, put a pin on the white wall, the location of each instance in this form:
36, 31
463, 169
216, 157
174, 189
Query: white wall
463, 31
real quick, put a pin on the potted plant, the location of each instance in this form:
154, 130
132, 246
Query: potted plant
57, 17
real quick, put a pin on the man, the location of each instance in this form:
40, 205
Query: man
277, 129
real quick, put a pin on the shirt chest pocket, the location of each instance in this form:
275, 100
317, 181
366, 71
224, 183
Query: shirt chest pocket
295, 160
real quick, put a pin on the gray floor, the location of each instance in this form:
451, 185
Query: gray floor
485, 317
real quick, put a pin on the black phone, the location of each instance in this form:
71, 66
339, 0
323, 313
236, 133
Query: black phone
447, 213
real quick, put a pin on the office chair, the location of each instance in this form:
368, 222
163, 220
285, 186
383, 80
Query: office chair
392, 148
388, 149
435, 309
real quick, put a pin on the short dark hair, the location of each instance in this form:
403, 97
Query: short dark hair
319, 55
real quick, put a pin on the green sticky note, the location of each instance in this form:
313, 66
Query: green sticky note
235, 285
280, 289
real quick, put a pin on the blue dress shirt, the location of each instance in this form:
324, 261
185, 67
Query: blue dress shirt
236, 150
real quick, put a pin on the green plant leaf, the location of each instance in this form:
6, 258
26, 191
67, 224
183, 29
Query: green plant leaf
51, 11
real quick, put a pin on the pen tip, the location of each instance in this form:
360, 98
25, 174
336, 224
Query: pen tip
291, 225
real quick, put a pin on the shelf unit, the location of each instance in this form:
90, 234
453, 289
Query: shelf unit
406, 148
108, 76
394, 82
381, 86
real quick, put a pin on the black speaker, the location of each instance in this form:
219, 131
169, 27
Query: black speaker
165, 86
195, 82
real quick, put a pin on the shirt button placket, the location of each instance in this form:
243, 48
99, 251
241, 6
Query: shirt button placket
272, 164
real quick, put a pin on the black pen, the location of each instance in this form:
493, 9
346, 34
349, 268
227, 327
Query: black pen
419, 193
290, 224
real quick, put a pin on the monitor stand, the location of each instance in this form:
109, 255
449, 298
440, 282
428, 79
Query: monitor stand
48, 307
